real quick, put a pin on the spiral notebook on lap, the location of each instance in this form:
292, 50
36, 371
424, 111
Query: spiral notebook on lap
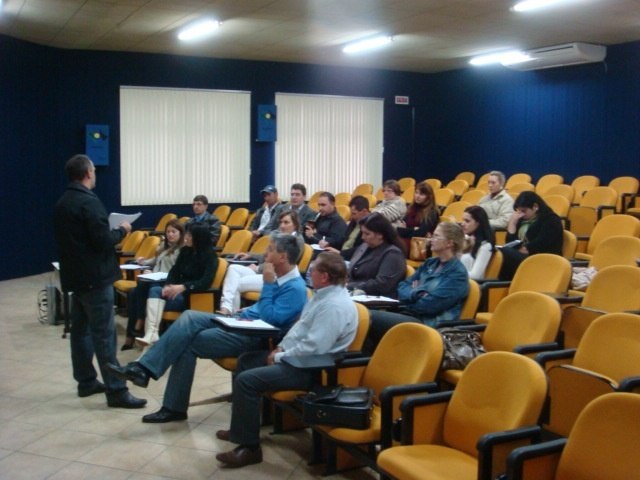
249, 327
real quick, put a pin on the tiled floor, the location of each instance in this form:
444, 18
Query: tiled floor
47, 432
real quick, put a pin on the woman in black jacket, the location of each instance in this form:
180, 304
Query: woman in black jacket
194, 270
535, 227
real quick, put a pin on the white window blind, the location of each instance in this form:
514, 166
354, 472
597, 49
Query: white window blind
178, 143
328, 143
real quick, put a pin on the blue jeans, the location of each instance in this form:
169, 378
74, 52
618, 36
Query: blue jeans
93, 331
381, 322
178, 304
194, 335
253, 378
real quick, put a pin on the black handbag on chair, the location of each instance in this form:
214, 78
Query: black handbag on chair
338, 406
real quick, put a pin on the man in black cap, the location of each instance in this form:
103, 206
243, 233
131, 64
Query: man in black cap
266, 219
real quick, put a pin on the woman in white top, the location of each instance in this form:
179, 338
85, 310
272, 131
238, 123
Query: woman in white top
240, 278
480, 242
393, 207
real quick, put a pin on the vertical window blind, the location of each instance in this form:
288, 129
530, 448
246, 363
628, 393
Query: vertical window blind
328, 143
177, 143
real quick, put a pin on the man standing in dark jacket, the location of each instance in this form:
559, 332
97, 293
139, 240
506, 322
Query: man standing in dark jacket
88, 268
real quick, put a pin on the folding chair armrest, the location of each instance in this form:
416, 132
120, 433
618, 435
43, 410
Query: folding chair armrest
387, 395
546, 357
601, 208
410, 405
576, 262
517, 458
350, 362
475, 327
629, 384
454, 323
488, 454
537, 347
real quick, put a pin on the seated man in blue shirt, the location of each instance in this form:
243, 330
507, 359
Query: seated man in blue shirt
196, 335
328, 324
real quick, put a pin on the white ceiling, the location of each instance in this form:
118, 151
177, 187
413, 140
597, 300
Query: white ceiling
429, 35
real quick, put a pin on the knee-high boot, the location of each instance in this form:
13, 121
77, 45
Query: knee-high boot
155, 307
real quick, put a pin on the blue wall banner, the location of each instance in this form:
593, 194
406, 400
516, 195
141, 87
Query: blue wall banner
97, 144
267, 128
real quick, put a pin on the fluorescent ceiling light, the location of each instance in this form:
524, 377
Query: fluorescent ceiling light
198, 30
527, 5
505, 58
367, 44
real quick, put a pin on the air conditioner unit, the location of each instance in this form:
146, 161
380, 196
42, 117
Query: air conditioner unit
562, 55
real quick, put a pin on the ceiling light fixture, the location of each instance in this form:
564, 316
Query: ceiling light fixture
528, 5
367, 44
198, 30
504, 58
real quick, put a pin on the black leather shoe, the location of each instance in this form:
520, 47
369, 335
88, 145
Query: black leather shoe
126, 347
164, 415
134, 372
96, 387
240, 457
223, 435
125, 400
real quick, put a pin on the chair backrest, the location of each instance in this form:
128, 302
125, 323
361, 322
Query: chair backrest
379, 195
238, 242
362, 189
162, 223
260, 245
238, 218
616, 250
582, 184
148, 247
373, 201
343, 198
409, 270
547, 181
434, 182
314, 198
421, 348
565, 190
483, 181
468, 177
305, 259
184, 220
559, 204
444, 196
473, 196
471, 303
497, 391
614, 289
599, 196
250, 218
344, 212
522, 318
611, 225
408, 193
224, 236
622, 185
542, 272
458, 186
611, 346
222, 212
406, 182
604, 441
364, 320
132, 241
494, 266
517, 188
517, 178
569, 244
453, 212
220, 273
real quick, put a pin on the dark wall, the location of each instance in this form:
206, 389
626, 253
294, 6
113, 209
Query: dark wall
569, 120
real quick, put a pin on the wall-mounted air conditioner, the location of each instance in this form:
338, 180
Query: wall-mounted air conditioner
562, 55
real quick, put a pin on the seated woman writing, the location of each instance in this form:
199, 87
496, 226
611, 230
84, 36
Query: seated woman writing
434, 293
165, 258
422, 215
240, 278
535, 228
194, 269
480, 241
379, 263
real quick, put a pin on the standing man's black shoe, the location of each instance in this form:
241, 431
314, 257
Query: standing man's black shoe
164, 415
125, 400
134, 372
88, 390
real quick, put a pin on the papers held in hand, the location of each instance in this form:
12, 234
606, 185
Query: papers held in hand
513, 244
246, 326
115, 219
373, 299
154, 277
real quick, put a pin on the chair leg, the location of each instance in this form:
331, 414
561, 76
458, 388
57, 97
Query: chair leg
317, 455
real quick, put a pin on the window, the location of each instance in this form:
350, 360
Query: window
328, 143
177, 143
